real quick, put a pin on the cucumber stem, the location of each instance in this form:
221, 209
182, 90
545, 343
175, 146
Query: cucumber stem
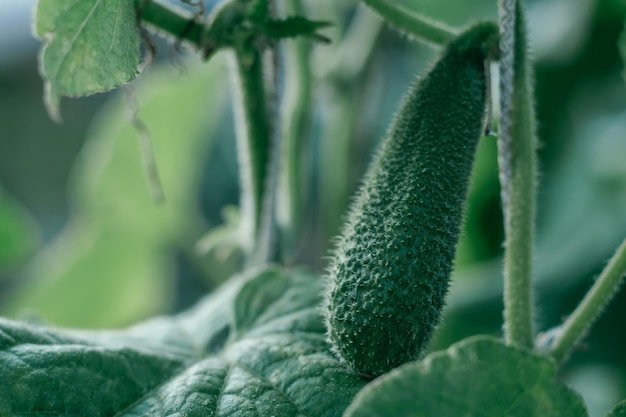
411, 23
590, 308
516, 158
253, 128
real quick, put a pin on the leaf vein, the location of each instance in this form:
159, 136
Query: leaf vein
79, 31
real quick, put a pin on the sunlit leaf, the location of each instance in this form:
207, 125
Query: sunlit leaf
90, 46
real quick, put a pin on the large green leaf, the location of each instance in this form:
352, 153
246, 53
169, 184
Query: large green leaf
618, 411
119, 242
477, 377
90, 46
257, 347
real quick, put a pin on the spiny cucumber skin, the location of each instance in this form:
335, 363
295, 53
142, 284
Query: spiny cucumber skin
389, 277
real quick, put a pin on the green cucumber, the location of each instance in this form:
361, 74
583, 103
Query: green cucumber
389, 275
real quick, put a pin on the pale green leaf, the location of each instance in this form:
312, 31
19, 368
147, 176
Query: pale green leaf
619, 410
116, 244
90, 46
257, 347
477, 377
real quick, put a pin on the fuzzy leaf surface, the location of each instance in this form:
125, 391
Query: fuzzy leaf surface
477, 377
90, 46
256, 347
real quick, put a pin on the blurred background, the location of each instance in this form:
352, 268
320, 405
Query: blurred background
83, 244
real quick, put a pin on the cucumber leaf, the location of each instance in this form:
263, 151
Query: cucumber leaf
477, 377
90, 46
256, 347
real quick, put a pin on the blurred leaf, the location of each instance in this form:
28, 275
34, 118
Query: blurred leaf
76, 59
18, 233
559, 29
94, 277
598, 383
111, 265
622, 49
477, 377
221, 248
474, 243
453, 12
257, 347
223, 241
619, 410
581, 225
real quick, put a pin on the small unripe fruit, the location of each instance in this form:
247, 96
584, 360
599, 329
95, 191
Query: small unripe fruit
389, 277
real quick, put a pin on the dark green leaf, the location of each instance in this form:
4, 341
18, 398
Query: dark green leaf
477, 377
257, 347
90, 46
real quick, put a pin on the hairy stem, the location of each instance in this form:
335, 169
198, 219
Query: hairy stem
172, 20
587, 312
253, 124
516, 158
411, 23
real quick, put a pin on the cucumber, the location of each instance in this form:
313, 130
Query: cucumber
390, 271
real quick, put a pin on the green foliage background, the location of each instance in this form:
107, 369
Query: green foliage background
50, 201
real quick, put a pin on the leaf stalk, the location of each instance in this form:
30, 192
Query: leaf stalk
411, 23
590, 308
516, 159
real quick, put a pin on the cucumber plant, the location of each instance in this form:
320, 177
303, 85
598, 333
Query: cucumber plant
279, 341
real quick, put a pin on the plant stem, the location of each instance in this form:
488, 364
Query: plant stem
411, 23
266, 251
171, 20
516, 158
295, 118
591, 306
253, 126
